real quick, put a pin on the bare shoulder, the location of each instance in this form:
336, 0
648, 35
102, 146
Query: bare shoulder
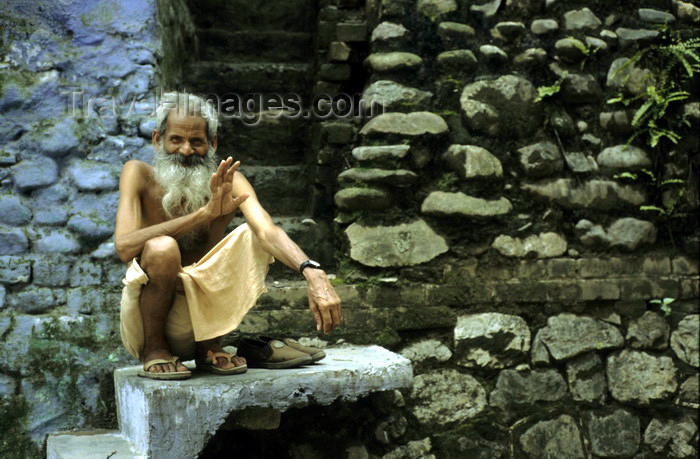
135, 175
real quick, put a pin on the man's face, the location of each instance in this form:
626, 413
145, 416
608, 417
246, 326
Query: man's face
185, 138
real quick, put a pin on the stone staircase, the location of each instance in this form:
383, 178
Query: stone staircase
175, 419
247, 52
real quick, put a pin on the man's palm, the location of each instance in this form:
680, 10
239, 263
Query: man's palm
222, 201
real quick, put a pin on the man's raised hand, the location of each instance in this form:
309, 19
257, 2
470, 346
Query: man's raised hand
222, 201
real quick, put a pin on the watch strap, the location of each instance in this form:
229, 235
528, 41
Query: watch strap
308, 264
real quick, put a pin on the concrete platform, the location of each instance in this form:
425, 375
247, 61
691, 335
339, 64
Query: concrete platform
163, 417
93, 444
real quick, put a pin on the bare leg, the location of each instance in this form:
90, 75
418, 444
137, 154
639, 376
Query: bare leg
161, 262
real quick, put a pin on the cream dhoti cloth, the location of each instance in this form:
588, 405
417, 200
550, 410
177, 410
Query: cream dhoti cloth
216, 293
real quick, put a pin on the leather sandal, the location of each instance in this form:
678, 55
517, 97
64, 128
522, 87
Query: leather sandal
209, 364
169, 375
273, 354
315, 353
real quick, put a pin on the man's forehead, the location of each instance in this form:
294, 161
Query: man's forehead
179, 119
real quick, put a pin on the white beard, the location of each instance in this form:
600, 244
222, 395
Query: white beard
185, 182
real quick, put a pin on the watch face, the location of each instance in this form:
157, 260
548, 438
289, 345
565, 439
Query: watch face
315, 264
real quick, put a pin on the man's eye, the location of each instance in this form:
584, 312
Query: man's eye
176, 139
197, 143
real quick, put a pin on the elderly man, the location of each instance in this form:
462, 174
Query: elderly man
188, 283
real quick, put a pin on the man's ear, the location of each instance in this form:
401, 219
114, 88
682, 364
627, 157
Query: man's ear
215, 142
155, 138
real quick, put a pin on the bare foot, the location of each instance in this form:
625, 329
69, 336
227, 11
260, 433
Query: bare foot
162, 367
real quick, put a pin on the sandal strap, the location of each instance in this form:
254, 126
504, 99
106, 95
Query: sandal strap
212, 357
150, 363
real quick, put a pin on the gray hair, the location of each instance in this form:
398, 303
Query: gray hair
189, 104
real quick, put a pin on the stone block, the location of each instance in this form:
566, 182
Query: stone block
33, 173
440, 203
57, 241
675, 435
532, 269
567, 335
351, 31
685, 340
650, 331
394, 62
491, 340
515, 389
84, 300
640, 378
645, 289
582, 19
14, 270
362, 199
438, 397
389, 95
613, 434
426, 350
598, 267
543, 245
559, 437
598, 290
684, 265
13, 241
147, 408
562, 267
89, 444
586, 377
51, 271
13, 212
93, 175
689, 288
339, 51
33, 300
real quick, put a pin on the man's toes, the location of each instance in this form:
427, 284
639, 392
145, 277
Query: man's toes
238, 361
181, 367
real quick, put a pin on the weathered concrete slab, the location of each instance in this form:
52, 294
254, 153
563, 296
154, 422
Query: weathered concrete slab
160, 417
94, 444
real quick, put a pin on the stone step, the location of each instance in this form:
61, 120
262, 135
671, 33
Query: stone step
282, 190
241, 78
163, 417
94, 444
254, 46
265, 138
289, 15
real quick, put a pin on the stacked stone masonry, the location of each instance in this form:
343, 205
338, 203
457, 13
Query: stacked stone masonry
492, 221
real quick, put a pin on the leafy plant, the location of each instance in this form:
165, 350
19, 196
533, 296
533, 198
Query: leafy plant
678, 61
664, 305
548, 91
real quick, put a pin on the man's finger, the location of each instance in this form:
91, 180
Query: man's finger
317, 315
326, 316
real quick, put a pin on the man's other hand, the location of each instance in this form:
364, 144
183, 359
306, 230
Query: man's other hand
222, 201
323, 301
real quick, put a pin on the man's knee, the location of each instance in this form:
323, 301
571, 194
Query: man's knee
160, 258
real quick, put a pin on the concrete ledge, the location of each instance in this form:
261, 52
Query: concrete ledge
161, 417
94, 444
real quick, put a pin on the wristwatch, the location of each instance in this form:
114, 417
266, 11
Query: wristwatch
308, 264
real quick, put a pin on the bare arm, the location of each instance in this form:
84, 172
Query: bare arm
323, 300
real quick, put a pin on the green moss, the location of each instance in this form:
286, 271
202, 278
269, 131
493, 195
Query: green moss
14, 441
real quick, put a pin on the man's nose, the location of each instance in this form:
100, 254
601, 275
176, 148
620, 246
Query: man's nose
186, 149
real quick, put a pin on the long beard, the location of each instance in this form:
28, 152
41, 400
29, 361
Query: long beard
185, 181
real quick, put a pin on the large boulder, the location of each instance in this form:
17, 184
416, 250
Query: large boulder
674, 436
650, 331
401, 245
491, 340
504, 106
541, 159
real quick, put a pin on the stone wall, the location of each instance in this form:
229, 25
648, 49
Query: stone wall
69, 73
502, 234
